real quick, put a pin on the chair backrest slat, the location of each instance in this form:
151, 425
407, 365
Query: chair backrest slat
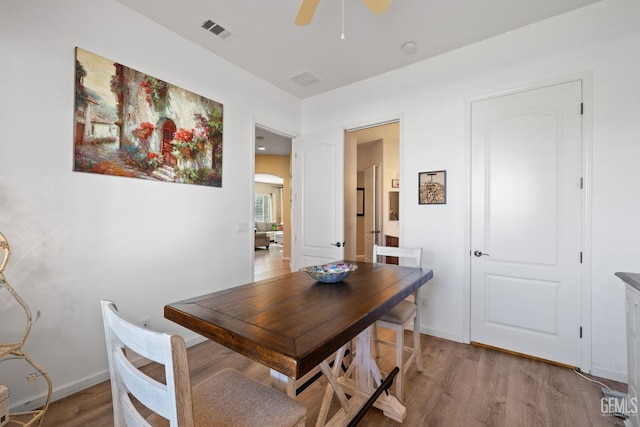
132, 417
412, 257
148, 391
162, 348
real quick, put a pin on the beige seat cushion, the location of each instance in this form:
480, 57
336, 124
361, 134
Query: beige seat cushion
231, 399
400, 314
242, 401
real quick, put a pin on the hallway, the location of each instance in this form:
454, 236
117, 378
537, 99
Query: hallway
269, 263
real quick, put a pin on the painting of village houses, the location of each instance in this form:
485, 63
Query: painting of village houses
130, 124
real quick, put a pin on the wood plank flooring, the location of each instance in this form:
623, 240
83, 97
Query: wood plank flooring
462, 385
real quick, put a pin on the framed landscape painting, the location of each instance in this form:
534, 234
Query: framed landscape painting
128, 123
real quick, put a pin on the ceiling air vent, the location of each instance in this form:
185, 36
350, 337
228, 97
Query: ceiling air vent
305, 78
217, 29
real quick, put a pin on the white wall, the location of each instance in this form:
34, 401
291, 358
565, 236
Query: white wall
79, 237
431, 96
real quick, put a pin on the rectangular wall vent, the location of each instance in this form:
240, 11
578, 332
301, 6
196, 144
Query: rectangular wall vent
217, 29
305, 78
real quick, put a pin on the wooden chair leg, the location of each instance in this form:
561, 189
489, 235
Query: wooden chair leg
416, 344
400, 361
376, 344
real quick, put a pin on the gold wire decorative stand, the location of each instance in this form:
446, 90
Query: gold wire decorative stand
16, 351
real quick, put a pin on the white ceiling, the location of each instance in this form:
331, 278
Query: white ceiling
267, 43
274, 144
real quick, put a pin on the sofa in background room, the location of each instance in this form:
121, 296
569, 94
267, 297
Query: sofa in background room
264, 233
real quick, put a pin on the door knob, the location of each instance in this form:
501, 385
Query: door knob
479, 254
338, 244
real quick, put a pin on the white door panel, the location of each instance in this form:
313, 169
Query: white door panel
527, 222
371, 219
522, 303
318, 198
521, 195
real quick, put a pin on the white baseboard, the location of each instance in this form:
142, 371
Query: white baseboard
609, 374
37, 401
195, 339
442, 334
595, 370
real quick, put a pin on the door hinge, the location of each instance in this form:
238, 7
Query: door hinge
581, 108
580, 331
581, 183
580, 257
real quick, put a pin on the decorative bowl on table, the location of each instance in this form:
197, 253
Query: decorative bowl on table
330, 273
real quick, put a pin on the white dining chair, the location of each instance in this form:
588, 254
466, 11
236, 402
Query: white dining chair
227, 398
400, 317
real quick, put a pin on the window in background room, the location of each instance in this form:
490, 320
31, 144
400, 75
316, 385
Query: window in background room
262, 208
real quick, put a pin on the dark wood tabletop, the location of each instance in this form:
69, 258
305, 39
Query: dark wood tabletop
291, 323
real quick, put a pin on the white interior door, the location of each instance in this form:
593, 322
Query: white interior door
371, 220
318, 198
526, 222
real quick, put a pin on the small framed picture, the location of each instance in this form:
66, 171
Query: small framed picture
395, 183
432, 188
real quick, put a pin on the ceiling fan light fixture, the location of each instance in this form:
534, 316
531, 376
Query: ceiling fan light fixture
378, 6
308, 9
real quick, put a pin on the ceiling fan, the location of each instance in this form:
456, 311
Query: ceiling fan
308, 8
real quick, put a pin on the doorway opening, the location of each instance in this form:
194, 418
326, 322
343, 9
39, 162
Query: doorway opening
372, 163
323, 206
272, 202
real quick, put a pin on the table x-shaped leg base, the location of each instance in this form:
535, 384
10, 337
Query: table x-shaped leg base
360, 382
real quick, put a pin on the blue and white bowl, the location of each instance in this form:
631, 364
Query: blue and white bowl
330, 273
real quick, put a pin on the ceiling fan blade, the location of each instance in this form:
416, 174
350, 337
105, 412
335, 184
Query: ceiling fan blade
378, 6
306, 11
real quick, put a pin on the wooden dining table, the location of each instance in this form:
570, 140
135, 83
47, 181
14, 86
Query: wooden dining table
293, 324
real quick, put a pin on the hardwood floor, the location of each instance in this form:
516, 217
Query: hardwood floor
462, 385
269, 262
